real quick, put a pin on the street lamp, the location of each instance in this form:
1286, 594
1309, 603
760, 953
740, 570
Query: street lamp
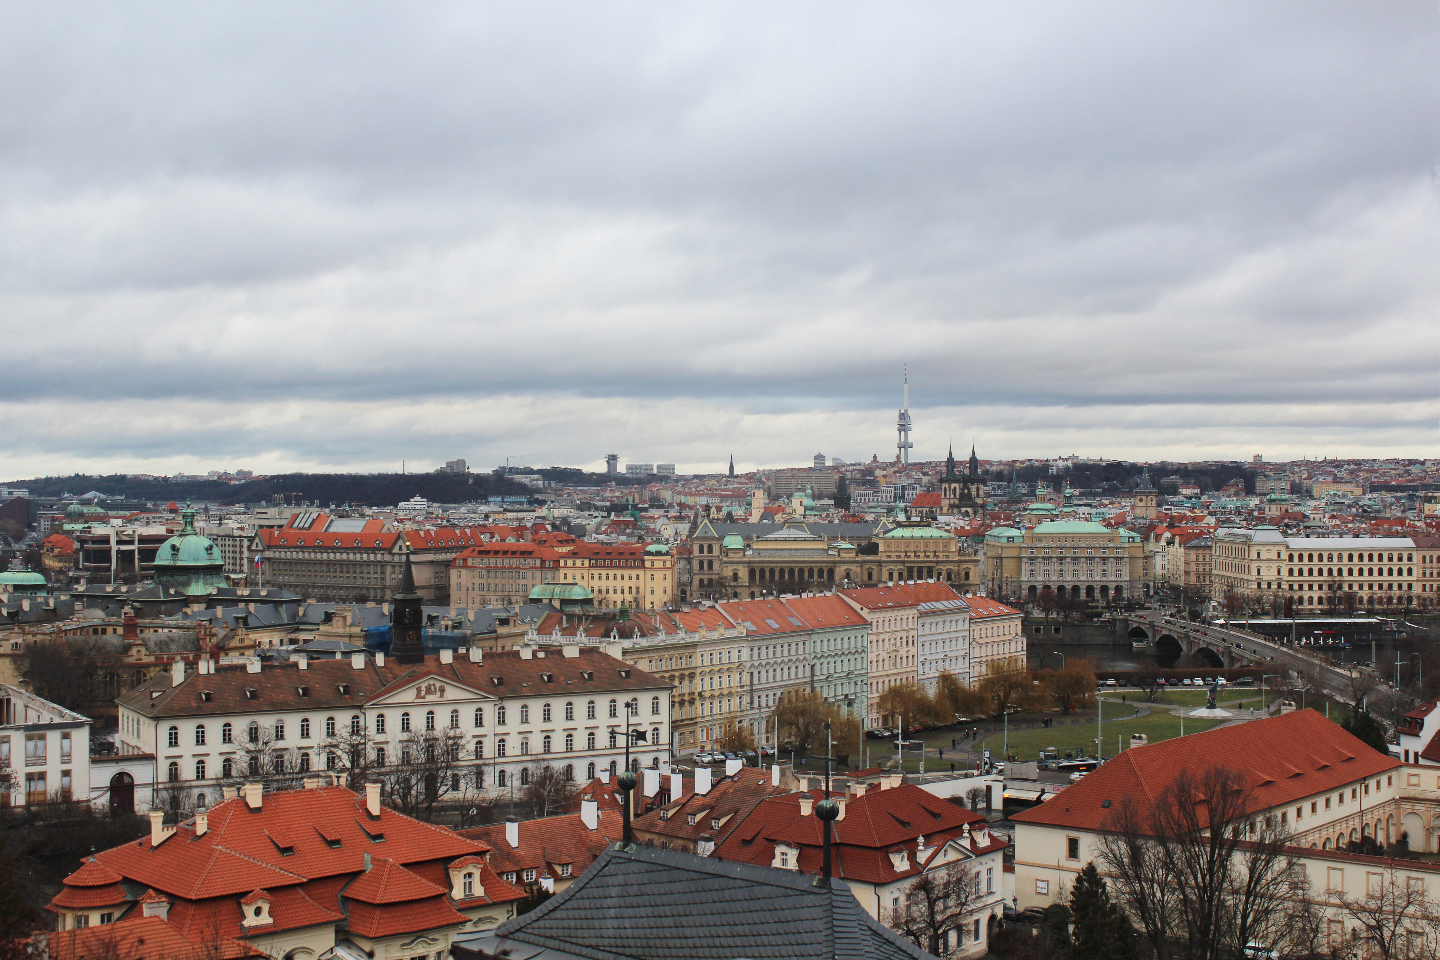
1263, 678
1419, 662
1061, 656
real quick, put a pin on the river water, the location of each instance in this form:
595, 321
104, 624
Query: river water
1119, 656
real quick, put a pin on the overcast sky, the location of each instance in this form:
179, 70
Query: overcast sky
332, 236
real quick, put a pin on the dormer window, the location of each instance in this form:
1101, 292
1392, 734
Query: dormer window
467, 886
344, 688
205, 696
303, 691
498, 681
587, 675
548, 677
250, 693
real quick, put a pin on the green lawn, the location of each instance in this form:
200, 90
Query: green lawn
1080, 737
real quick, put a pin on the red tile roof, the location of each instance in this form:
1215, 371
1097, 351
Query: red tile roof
1282, 759
982, 607
880, 821
388, 882
141, 938
563, 839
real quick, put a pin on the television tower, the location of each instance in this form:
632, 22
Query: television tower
902, 426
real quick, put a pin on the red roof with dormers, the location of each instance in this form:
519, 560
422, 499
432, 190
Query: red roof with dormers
445, 538
143, 938
550, 842
983, 607
305, 852
882, 821
928, 500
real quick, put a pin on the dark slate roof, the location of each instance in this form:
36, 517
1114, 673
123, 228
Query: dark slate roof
831, 531
640, 902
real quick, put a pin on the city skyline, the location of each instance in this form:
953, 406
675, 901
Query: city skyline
245, 236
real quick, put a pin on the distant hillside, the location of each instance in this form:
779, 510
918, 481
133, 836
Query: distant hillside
371, 490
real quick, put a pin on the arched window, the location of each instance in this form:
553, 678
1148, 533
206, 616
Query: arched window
500, 778
569, 742
614, 766
454, 719
304, 728
613, 712
654, 706
279, 729
379, 756
467, 885
524, 746
545, 743
613, 735
252, 732
570, 772
545, 713
227, 768
500, 747
199, 734
590, 770
355, 725
655, 735
253, 764
524, 776
500, 715
405, 722
304, 763
329, 726
429, 720
379, 723
199, 769
172, 737
277, 763
570, 711
480, 777
227, 733
590, 740
480, 750
172, 772
524, 713
479, 716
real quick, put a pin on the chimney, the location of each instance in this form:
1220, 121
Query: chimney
589, 814
158, 831
229, 791
894, 780
177, 673
840, 802
732, 767
357, 660
367, 861
652, 782
254, 793
302, 660
807, 803
774, 774
447, 655
157, 906
858, 788
372, 797
570, 650
677, 785
512, 832
475, 655
604, 776
702, 781
705, 845
379, 658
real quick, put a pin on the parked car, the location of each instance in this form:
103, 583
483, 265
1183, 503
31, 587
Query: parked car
1186, 681
1077, 775
880, 733
1199, 682
1222, 681
1257, 951
1245, 682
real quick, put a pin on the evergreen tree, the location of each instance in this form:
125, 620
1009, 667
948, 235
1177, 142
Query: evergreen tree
1367, 729
1101, 930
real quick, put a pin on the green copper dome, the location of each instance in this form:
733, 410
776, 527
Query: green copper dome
189, 562
657, 549
917, 533
22, 581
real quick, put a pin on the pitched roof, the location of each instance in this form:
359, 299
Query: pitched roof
337, 684
730, 800
142, 938
388, 882
562, 839
626, 907
982, 607
1282, 759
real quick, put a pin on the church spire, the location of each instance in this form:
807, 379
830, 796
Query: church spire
732, 464
406, 618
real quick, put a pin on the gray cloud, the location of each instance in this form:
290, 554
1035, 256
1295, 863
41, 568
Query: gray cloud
722, 224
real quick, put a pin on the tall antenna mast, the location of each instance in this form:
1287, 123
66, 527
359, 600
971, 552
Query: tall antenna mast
902, 426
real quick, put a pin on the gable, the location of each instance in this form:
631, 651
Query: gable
428, 688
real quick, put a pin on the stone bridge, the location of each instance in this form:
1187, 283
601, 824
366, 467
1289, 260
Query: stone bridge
1199, 642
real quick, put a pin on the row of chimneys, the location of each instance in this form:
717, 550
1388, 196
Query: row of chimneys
253, 793
302, 661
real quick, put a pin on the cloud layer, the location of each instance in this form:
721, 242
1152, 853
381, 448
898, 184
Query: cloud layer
338, 236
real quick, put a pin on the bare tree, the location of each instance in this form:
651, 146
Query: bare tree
549, 791
59, 671
1007, 683
1398, 919
1202, 878
801, 714
935, 906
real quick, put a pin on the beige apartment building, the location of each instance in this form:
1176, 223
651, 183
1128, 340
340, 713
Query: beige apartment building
631, 575
1316, 574
1080, 559
1246, 563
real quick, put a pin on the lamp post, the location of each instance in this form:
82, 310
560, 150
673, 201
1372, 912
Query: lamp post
1061, 656
1419, 663
1263, 678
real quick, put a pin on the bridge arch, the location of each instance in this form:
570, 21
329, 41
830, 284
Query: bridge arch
1168, 646
1208, 657
1138, 633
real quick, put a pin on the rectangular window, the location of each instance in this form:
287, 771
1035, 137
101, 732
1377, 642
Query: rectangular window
1072, 848
1335, 880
